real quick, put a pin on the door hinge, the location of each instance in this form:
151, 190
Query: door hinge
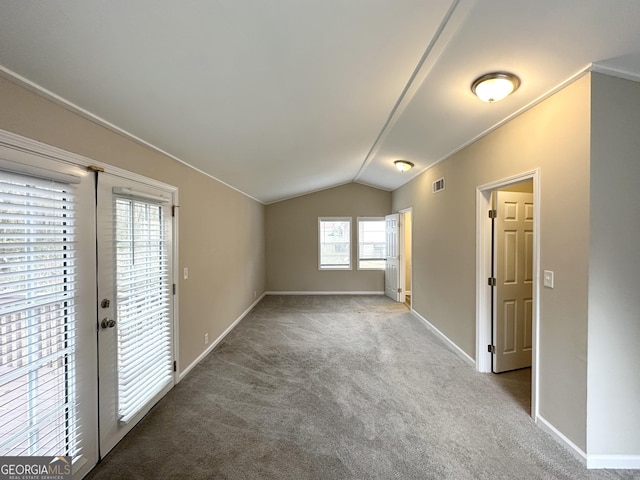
174, 288
493, 214
175, 366
492, 281
173, 210
491, 348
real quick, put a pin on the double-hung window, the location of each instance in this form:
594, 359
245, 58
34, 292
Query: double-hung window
372, 247
334, 243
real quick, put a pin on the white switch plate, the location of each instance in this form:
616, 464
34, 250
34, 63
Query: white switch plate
548, 278
186, 273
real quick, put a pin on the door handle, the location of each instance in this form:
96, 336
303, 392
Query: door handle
108, 323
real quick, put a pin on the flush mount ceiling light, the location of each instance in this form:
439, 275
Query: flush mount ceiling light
495, 86
403, 165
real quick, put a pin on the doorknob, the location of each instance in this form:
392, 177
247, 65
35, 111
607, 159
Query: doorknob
108, 323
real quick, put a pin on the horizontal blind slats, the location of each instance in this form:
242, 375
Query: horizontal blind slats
37, 316
143, 304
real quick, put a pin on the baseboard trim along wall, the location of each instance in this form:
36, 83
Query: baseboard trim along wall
562, 439
219, 339
623, 462
323, 293
461, 353
591, 461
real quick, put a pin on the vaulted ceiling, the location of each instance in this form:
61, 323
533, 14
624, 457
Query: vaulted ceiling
278, 98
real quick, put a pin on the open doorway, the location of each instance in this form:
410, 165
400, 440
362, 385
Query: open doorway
507, 284
512, 277
512, 289
398, 270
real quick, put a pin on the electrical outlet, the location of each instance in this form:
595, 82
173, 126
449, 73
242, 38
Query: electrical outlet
206, 338
185, 273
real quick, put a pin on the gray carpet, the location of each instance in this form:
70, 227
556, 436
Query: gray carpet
341, 387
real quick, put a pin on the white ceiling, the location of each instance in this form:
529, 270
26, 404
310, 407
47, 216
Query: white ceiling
278, 98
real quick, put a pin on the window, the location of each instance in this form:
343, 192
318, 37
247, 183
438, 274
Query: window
335, 243
372, 246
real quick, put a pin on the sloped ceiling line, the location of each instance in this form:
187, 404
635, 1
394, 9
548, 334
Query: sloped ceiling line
449, 24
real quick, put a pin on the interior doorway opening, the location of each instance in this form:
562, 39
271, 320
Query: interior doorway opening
512, 276
514, 333
398, 271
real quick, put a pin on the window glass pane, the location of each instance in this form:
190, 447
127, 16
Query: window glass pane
37, 317
335, 243
143, 305
372, 247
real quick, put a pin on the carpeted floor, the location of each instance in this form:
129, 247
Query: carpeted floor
341, 387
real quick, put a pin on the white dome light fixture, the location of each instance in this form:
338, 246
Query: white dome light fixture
403, 165
495, 86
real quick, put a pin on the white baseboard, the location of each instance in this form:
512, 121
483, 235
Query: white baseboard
461, 353
213, 345
323, 293
591, 461
562, 439
631, 462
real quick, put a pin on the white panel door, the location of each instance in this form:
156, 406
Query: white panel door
392, 269
135, 303
513, 244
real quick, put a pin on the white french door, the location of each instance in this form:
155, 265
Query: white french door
47, 309
135, 303
58, 291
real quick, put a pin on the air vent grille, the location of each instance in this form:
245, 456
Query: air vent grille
438, 185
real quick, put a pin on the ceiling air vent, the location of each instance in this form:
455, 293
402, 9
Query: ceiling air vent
438, 185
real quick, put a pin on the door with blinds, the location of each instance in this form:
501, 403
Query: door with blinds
135, 303
47, 311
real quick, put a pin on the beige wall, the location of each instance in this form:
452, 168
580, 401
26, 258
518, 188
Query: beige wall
614, 269
553, 136
522, 187
292, 240
221, 232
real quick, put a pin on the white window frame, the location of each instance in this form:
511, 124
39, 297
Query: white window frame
320, 243
359, 257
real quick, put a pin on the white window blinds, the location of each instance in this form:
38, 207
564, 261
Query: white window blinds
37, 317
143, 301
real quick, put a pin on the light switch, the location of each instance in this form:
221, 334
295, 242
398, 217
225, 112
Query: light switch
186, 273
548, 278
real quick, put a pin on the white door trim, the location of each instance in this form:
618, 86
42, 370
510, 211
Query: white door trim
483, 272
